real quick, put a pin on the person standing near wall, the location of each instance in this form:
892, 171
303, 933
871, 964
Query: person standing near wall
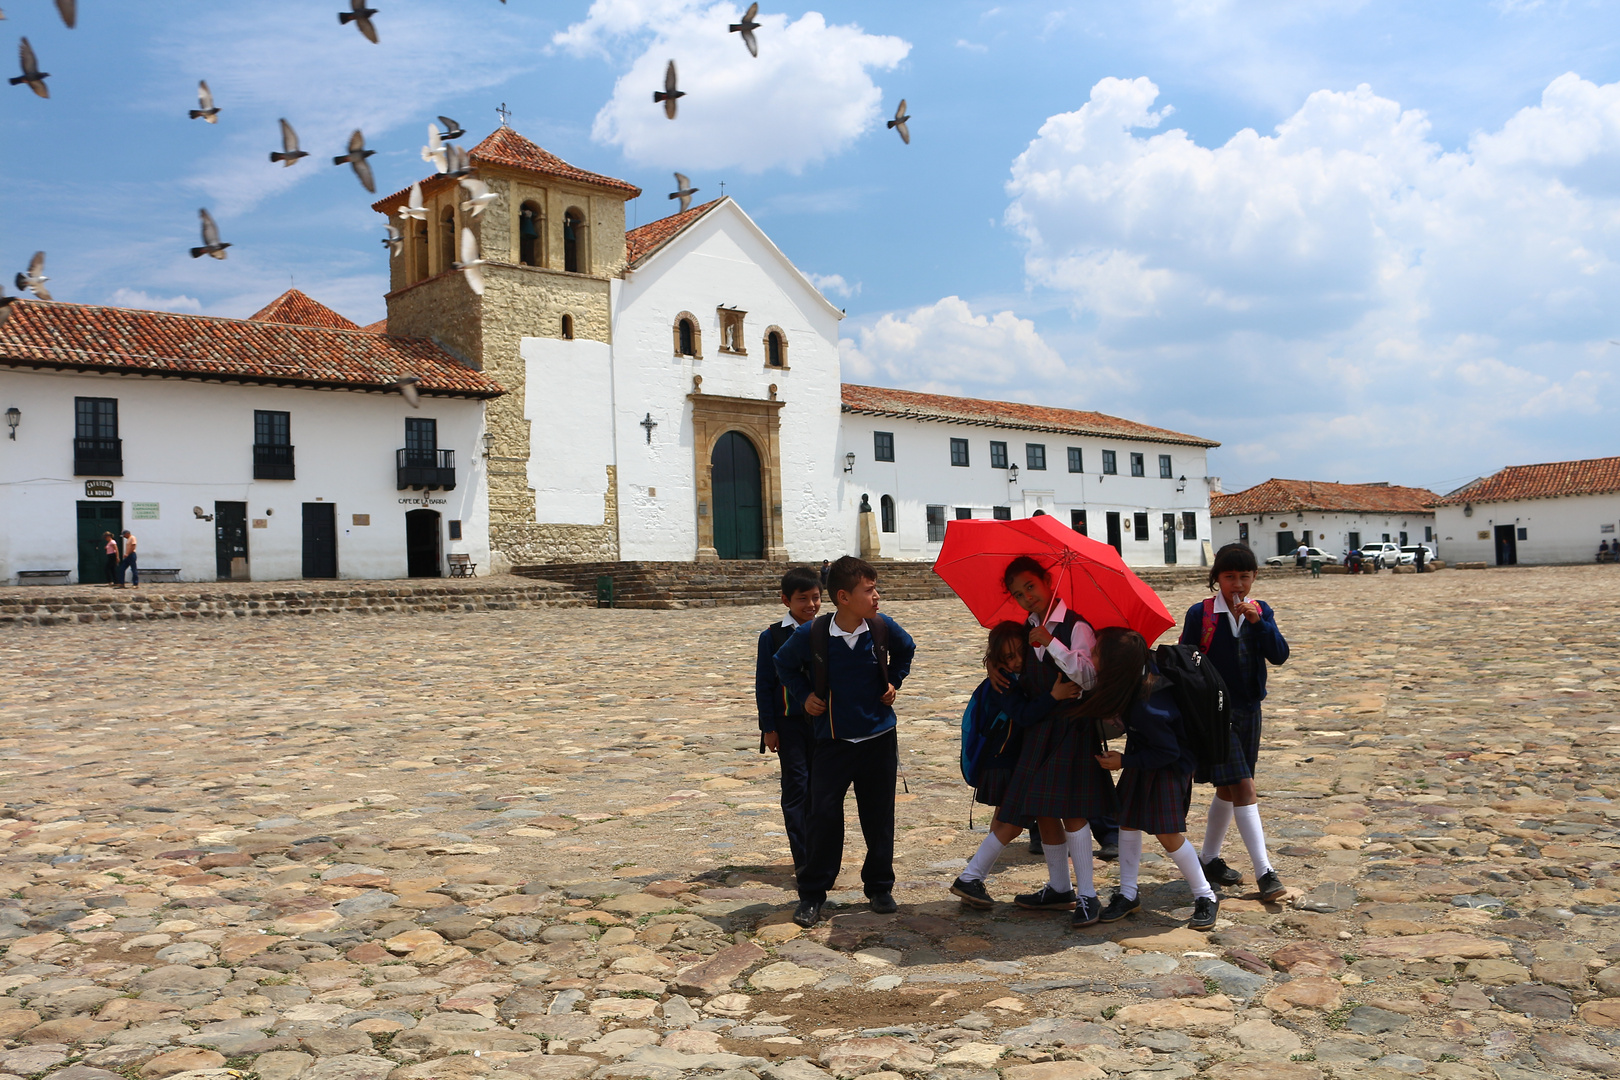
129, 563
110, 546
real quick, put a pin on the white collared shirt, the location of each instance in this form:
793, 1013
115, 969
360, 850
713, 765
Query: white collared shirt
790, 622
1236, 619
851, 637
1074, 659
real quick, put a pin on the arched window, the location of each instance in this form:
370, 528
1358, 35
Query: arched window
776, 347
530, 223
886, 509
568, 328
447, 238
574, 242
417, 250
688, 336
688, 348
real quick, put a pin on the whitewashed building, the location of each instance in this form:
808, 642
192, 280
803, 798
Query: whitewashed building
234, 449
1275, 517
921, 460
1557, 512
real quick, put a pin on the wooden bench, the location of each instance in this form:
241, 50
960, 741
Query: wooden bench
43, 577
160, 573
461, 564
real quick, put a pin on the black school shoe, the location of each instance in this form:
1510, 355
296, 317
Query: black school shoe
1205, 909
1119, 907
807, 914
1087, 912
1109, 852
883, 903
1218, 873
1048, 899
1035, 845
1270, 886
973, 894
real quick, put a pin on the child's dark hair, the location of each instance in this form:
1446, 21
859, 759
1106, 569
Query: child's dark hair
1122, 674
1233, 558
799, 579
846, 575
1004, 638
1024, 564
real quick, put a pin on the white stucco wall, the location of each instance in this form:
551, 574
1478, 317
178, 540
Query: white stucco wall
722, 260
568, 401
188, 444
1560, 530
1329, 531
922, 474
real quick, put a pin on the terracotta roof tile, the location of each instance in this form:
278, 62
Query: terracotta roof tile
505, 146
1295, 496
86, 337
297, 309
642, 242
907, 404
1594, 476
378, 327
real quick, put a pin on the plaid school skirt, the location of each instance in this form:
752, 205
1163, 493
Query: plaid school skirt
1057, 775
1245, 750
992, 787
1154, 800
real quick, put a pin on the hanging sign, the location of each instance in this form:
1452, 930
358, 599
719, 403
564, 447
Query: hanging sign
98, 489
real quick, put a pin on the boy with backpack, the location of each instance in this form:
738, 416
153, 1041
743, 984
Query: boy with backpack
846, 668
784, 729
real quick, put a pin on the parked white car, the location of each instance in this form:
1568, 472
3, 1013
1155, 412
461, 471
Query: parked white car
1384, 554
1409, 554
1311, 554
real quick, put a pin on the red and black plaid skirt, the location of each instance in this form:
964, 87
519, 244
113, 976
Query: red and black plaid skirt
1154, 800
1057, 775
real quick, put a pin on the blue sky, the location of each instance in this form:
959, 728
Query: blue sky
1351, 240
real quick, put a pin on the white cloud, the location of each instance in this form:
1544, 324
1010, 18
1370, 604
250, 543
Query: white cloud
137, 298
945, 346
808, 95
834, 283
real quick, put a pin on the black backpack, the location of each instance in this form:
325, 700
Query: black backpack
1206, 714
821, 640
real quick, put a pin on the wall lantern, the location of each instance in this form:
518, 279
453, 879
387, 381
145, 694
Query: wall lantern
849, 462
1468, 508
13, 418
1012, 475
1181, 484
489, 442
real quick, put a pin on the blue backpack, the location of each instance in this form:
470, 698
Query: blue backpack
982, 735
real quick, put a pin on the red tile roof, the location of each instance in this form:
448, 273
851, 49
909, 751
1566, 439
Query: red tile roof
506, 147
1595, 476
642, 242
909, 405
378, 327
297, 309
1297, 496
87, 337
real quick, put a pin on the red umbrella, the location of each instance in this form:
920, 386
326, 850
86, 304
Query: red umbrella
1089, 577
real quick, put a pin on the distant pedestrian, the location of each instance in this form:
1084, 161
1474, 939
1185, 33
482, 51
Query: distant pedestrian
1300, 555
129, 563
1604, 554
826, 568
110, 546
1420, 557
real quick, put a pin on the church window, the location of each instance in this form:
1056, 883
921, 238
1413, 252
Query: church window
574, 242
417, 253
447, 238
530, 223
776, 347
688, 336
882, 446
731, 331
886, 509
568, 327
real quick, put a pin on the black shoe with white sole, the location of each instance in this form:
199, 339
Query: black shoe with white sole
1087, 912
1119, 907
807, 914
972, 893
1270, 886
1205, 908
1218, 873
1048, 899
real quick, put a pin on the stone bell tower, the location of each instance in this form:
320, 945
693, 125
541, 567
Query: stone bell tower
552, 242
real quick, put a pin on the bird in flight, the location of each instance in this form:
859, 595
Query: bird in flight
356, 157
433, 152
290, 153
31, 74
456, 163
33, 279
206, 109
747, 28
478, 196
360, 15
899, 123
413, 207
69, 10
470, 262
406, 385
452, 130
683, 191
395, 240
211, 245
670, 93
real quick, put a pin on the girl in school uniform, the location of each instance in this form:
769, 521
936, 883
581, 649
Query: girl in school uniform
1005, 652
1057, 780
1240, 637
1156, 770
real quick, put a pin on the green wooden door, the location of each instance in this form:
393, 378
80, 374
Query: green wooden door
96, 518
739, 521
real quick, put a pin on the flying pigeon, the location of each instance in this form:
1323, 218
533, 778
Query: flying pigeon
211, 245
670, 93
478, 196
5, 301
470, 262
456, 162
289, 147
899, 123
452, 130
747, 28
433, 152
69, 10
360, 15
683, 191
357, 157
207, 110
395, 239
31, 74
413, 208
406, 385
34, 279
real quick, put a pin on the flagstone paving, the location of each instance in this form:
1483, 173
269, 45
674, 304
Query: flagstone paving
543, 844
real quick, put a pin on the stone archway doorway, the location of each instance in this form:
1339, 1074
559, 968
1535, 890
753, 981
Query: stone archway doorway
737, 465
739, 521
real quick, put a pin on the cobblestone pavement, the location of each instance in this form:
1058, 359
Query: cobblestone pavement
543, 844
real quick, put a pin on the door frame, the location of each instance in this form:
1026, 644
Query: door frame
1171, 527
100, 559
760, 422
1116, 534
303, 542
1506, 538
247, 546
438, 542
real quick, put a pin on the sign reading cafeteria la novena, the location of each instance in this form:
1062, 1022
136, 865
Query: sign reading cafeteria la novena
98, 489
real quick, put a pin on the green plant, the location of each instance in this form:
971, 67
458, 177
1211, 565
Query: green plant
1448, 1057
1108, 1013
1211, 985
1305, 1055
1337, 1018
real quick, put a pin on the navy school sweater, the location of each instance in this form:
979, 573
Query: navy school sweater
1022, 712
1153, 733
770, 697
1247, 687
855, 687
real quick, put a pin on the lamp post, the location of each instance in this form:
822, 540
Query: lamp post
849, 462
13, 418
1012, 474
489, 443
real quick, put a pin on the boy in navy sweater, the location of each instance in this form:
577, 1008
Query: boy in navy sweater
847, 668
784, 729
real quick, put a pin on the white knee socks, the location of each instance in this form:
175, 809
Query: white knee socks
1130, 861
1220, 819
1186, 860
1254, 837
1080, 854
983, 859
1057, 865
